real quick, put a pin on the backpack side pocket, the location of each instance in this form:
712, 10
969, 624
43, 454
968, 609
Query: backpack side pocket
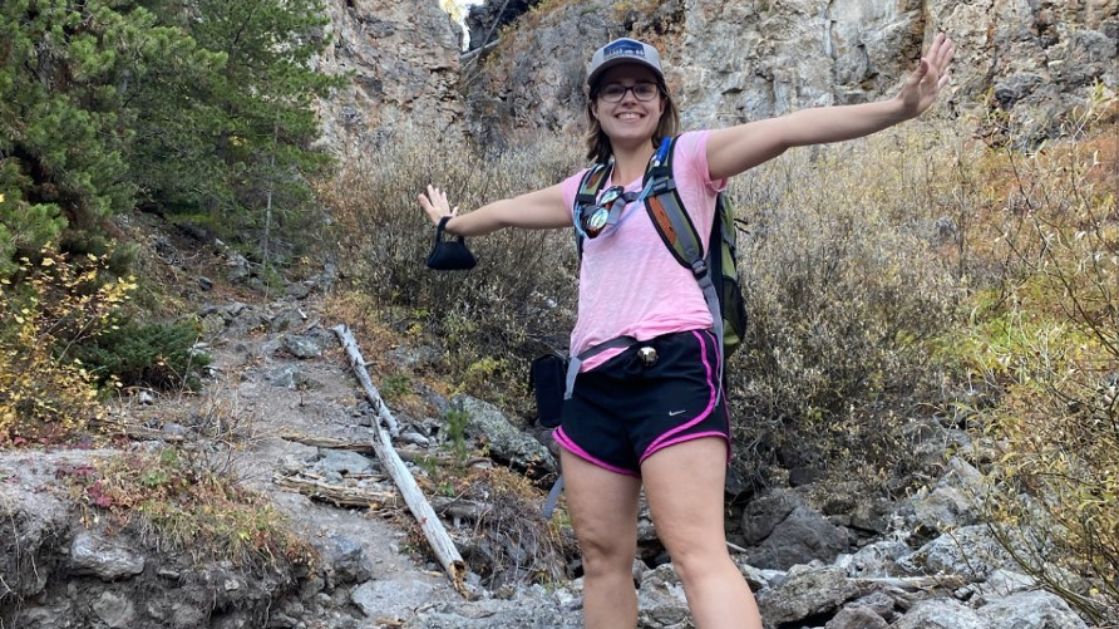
547, 377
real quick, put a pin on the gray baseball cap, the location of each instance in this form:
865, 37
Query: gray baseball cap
624, 50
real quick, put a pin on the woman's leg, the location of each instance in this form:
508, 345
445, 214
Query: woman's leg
684, 486
603, 507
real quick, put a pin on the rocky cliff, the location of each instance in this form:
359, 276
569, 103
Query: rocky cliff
730, 62
727, 62
404, 61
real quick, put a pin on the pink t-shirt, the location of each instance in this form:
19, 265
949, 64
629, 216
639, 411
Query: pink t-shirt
629, 283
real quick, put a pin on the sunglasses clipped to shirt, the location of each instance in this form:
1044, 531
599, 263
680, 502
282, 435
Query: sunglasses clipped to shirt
591, 221
592, 218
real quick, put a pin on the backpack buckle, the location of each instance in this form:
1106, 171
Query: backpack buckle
661, 186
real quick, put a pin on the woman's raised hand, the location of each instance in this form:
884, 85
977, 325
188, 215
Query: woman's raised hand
921, 88
435, 204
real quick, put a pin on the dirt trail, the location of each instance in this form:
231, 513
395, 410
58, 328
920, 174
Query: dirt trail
261, 392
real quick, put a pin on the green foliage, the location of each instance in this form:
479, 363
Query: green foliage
1044, 343
457, 420
64, 127
219, 138
150, 354
202, 107
45, 394
396, 386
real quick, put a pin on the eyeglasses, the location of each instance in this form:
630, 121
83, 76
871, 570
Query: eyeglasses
615, 92
592, 220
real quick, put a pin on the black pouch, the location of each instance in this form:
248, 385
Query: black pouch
449, 255
548, 378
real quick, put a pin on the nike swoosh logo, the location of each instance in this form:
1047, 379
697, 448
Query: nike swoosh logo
675, 413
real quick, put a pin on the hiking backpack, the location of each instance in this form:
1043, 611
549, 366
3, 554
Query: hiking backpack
716, 271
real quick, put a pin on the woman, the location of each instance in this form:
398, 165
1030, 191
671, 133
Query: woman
652, 413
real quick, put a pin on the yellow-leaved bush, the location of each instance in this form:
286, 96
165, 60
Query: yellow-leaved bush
46, 307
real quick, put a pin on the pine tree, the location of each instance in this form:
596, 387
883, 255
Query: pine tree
199, 107
215, 146
63, 132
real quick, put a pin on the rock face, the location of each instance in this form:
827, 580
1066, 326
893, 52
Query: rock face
729, 62
405, 62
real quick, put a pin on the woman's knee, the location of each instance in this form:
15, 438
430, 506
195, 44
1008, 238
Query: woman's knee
605, 554
694, 559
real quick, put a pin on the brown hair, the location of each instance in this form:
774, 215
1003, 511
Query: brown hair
598, 143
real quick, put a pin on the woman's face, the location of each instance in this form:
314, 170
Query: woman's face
629, 118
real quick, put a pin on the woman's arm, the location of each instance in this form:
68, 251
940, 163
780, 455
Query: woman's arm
542, 209
736, 149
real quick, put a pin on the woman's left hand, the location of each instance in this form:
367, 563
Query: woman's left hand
921, 88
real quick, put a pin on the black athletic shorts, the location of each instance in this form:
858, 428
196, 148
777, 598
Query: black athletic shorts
623, 411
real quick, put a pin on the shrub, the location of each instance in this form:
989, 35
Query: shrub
843, 290
172, 499
521, 296
1045, 342
843, 284
145, 354
45, 392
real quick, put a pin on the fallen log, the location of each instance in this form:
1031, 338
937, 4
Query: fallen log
371, 393
328, 442
338, 495
913, 584
437, 537
410, 454
350, 496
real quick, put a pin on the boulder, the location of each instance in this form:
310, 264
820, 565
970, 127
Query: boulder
90, 553
807, 592
856, 617
506, 442
970, 551
391, 600
784, 531
874, 560
660, 601
1030, 610
345, 559
940, 614
114, 609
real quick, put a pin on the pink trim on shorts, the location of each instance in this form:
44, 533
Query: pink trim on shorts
699, 435
667, 439
569, 445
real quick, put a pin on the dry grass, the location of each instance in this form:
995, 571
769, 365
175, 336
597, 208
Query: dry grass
844, 289
174, 501
506, 540
518, 300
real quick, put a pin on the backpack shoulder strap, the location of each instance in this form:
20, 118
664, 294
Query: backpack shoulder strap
667, 212
589, 186
666, 209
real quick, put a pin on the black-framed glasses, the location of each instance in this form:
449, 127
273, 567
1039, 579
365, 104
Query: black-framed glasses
615, 92
592, 220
